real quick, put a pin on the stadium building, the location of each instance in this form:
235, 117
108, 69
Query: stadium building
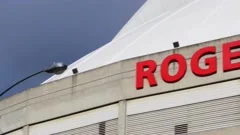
173, 69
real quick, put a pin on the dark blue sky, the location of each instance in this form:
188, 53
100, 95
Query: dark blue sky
36, 33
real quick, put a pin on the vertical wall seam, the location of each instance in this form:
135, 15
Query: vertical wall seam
26, 130
122, 117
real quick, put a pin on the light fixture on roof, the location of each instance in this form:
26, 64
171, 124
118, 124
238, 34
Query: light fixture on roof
75, 71
176, 44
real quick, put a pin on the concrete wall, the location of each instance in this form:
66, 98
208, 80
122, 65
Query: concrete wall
98, 87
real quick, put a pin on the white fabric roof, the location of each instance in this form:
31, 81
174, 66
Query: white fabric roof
159, 23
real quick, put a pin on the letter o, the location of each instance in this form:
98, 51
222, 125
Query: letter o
181, 70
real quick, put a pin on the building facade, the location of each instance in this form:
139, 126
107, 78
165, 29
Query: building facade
145, 86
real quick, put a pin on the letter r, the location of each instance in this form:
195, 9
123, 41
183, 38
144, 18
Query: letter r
142, 73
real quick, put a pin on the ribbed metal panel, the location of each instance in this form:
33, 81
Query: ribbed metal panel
201, 116
185, 97
102, 128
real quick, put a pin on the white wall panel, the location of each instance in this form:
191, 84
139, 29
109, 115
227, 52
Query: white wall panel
75, 121
18, 132
189, 96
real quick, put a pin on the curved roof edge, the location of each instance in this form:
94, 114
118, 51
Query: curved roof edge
159, 23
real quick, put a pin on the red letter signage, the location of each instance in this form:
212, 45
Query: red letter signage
142, 73
228, 56
182, 67
211, 62
146, 69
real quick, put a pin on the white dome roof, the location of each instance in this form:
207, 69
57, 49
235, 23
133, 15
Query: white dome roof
159, 23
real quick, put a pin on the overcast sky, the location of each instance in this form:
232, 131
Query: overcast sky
36, 33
